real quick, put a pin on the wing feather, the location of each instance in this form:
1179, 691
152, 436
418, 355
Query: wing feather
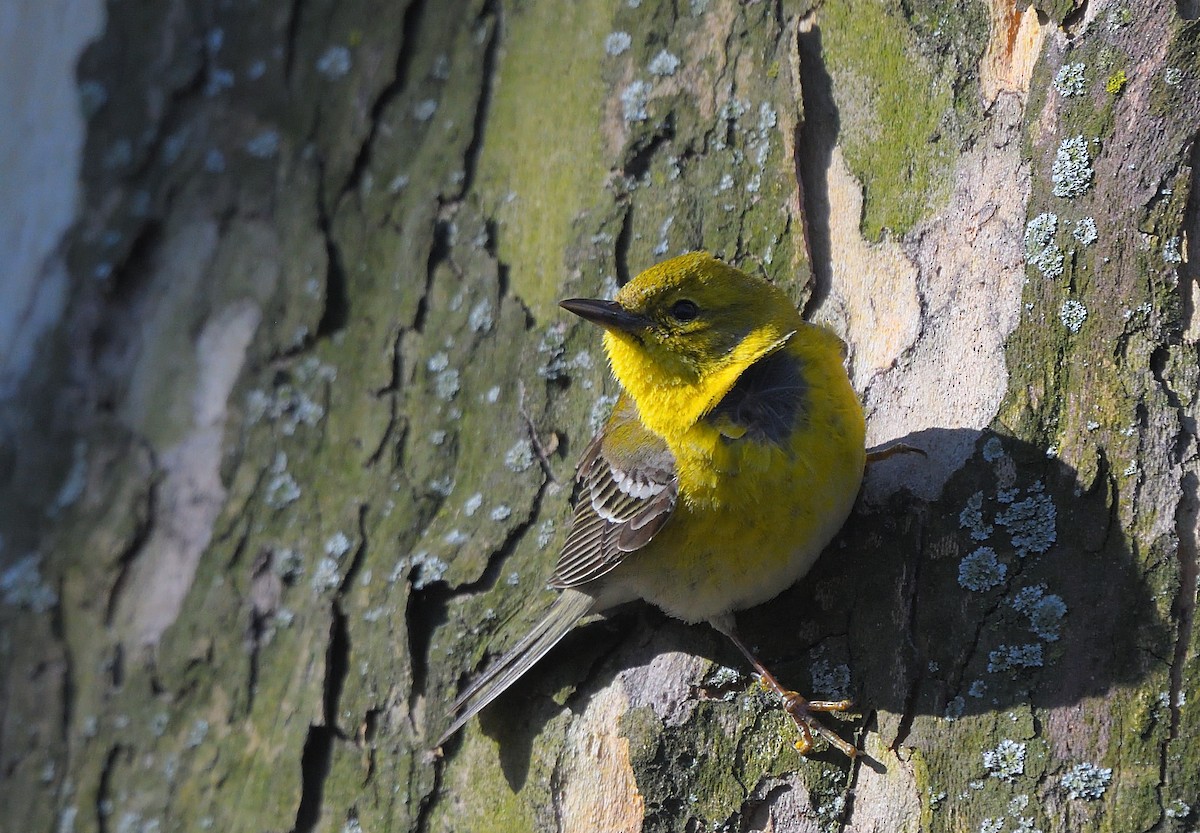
628, 488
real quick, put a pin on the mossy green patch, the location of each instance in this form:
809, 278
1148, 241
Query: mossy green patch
544, 149
899, 127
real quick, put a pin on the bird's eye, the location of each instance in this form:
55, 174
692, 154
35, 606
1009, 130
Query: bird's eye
684, 310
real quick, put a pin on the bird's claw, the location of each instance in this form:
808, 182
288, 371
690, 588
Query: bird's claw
802, 710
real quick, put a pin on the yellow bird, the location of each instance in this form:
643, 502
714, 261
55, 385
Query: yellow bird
731, 458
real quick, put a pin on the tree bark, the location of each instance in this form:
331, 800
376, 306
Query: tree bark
296, 462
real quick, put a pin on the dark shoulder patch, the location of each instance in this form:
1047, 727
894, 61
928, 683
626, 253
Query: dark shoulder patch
768, 398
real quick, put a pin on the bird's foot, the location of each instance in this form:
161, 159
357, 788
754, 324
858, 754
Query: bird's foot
802, 710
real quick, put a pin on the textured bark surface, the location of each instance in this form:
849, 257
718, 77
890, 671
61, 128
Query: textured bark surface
296, 462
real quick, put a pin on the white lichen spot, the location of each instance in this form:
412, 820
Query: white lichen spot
725, 184
1031, 522
633, 101
437, 437
545, 533
1070, 80
282, 489
501, 512
1073, 314
445, 379
617, 43
1172, 76
830, 679
1177, 809
1072, 170
287, 564
663, 232
1171, 253
993, 450
977, 689
1006, 761
971, 517
198, 733
663, 64
519, 457
601, 409
1014, 657
326, 576
75, 481
1041, 251
337, 545
767, 118
22, 586
955, 708
442, 486
159, 723
423, 110
426, 570
374, 614
481, 318
264, 145
398, 183
1085, 231
1045, 611
992, 824
440, 71
552, 346
471, 505
456, 538
1086, 781
493, 395
981, 570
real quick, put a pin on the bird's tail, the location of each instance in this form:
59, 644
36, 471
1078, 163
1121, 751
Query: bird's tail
568, 608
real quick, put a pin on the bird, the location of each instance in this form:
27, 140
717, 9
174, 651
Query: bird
733, 455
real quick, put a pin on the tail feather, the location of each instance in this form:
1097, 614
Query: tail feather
568, 608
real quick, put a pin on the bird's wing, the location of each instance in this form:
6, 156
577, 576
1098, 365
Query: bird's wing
627, 489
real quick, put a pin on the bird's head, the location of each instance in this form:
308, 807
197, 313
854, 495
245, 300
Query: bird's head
680, 334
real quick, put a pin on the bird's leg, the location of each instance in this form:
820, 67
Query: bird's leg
799, 708
875, 455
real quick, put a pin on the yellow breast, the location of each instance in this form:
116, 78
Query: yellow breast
754, 515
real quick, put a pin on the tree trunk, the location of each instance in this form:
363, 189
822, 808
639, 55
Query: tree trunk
296, 461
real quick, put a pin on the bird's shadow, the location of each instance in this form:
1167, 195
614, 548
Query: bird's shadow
1014, 585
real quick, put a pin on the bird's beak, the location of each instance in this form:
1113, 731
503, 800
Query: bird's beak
608, 314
